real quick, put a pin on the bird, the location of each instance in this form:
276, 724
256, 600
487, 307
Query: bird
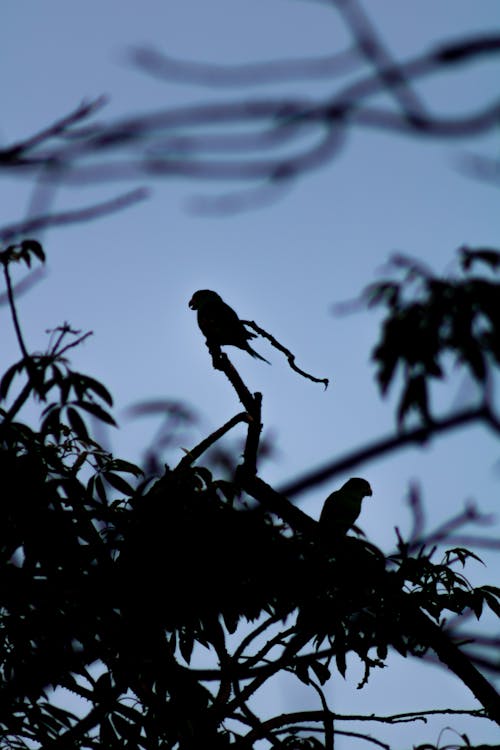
220, 324
342, 508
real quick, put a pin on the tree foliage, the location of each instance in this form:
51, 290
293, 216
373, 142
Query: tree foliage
110, 579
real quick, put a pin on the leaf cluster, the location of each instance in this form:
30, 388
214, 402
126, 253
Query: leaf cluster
430, 321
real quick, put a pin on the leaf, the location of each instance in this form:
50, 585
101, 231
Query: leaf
8, 377
77, 424
186, 644
60, 714
119, 464
398, 643
26, 257
491, 597
462, 553
476, 602
99, 488
91, 384
321, 671
301, 670
204, 474
487, 256
414, 397
382, 651
97, 411
116, 481
230, 621
32, 246
51, 424
495, 590
384, 292
340, 661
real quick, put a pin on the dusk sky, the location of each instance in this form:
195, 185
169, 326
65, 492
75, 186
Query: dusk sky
129, 276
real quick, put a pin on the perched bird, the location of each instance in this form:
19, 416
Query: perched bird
219, 323
342, 508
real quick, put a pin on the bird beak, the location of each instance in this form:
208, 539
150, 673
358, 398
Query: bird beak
191, 304
370, 493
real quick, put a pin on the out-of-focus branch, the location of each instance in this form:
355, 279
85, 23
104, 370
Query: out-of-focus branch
418, 436
168, 68
17, 152
95, 211
182, 141
386, 68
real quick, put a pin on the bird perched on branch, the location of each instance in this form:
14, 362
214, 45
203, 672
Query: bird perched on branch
219, 322
342, 508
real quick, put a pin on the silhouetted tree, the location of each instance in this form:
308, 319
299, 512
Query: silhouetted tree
111, 578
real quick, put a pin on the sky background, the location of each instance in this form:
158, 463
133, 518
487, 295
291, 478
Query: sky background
129, 277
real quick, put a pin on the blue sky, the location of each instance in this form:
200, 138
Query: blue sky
129, 277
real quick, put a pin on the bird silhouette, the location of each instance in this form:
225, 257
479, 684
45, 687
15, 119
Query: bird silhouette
342, 508
220, 324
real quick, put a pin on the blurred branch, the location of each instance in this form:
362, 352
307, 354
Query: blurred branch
166, 146
370, 46
481, 168
16, 154
380, 447
24, 285
95, 211
168, 68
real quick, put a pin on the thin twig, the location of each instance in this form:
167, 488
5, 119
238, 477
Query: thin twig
12, 305
286, 352
328, 722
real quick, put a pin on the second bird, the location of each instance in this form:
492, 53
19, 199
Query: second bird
219, 323
342, 508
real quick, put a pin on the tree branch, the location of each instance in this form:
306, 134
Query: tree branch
380, 447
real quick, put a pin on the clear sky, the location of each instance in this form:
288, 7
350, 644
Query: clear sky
129, 277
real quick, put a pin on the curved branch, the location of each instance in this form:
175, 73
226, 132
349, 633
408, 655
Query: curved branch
288, 354
380, 447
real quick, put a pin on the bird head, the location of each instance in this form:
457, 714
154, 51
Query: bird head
358, 486
201, 297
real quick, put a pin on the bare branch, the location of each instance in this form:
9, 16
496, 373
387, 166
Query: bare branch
286, 352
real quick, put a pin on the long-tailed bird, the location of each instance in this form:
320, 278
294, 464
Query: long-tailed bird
219, 322
342, 508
